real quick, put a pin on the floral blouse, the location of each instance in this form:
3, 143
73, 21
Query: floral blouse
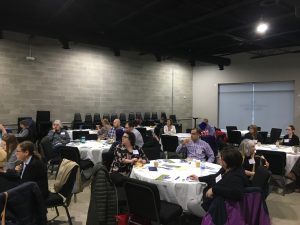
122, 153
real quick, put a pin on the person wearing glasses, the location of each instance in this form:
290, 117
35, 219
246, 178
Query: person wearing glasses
32, 167
196, 148
126, 155
291, 139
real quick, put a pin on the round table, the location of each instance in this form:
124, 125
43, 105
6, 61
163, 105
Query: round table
172, 179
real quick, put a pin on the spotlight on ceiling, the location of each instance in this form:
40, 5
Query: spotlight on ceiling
262, 27
221, 67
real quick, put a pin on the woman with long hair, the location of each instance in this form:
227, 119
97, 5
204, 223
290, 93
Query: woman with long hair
9, 144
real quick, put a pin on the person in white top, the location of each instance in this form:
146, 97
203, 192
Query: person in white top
169, 128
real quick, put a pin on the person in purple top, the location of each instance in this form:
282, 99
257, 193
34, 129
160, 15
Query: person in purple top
196, 148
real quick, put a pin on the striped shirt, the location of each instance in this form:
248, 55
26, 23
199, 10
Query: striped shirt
197, 150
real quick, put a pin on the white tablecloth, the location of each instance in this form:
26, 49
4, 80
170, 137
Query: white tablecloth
70, 132
91, 149
291, 157
177, 188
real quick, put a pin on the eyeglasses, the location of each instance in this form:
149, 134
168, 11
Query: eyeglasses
288, 129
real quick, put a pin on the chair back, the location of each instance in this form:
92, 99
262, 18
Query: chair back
122, 117
77, 117
163, 116
261, 179
113, 116
70, 153
47, 149
276, 159
188, 130
234, 137
230, 128
138, 116
77, 134
152, 152
106, 116
264, 136
107, 159
143, 132
154, 116
169, 142
147, 116
173, 118
275, 134
211, 140
143, 199
67, 188
42, 116
97, 119
131, 116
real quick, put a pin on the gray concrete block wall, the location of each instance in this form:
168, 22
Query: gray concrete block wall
87, 79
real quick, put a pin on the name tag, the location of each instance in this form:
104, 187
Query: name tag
218, 178
135, 152
286, 140
251, 161
62, 133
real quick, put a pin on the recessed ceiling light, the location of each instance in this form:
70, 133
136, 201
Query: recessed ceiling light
262, 27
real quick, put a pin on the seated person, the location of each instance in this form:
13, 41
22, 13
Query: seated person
206, 128
9, 144
24, 124
228, 183
291, 139
58, 136
32, 167
253, 134
127, 155
196, 148
250, 160
169, 128
138, 137
103, 131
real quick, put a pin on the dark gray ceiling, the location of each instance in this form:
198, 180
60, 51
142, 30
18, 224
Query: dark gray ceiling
204, 30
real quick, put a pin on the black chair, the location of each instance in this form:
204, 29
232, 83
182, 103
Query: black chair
107, 159
169, 144
230, 128
77, 121
234, 137
163, 117
88, 121
131, 116
188, 130
173, 118
143, 132
91, 137
72, 153
52, 159
113, 116
211, 140
277, 161
77, 134
147, 119
152, 152
97, 119
264, 136
150, 208
42, 116
261, 179
274, 135
122, 119
63, 197
138, 116
154, 117
106, 116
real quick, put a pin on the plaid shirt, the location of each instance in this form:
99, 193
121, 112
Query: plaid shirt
112, 132
197, 150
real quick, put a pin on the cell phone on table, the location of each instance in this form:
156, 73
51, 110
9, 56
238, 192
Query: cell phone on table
152, 168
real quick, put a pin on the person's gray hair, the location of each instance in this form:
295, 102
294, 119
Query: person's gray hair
58, 122
245, 147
